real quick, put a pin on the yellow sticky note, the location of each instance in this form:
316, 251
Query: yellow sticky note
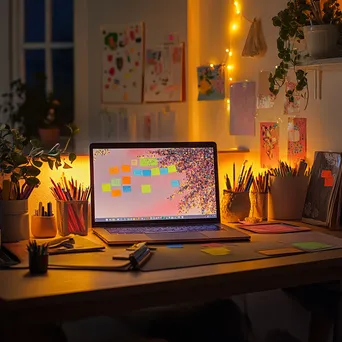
127, 75
155, 171
146, 188
172, 168
106, 187
134, 162
148, 162
216, 251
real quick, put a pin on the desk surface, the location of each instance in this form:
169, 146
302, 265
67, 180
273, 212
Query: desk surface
74, 294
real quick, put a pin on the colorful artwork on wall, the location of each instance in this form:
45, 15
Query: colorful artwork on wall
122, 63
211, 82
269, 144
296, 148
164, 74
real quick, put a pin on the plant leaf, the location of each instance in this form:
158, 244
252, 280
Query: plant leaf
32, 181
72, 157
37, 163
66, 166
51, 163
33, 171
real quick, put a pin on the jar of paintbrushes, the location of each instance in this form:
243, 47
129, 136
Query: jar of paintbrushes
71, 206
235, 203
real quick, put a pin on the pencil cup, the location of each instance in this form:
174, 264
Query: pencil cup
235, 206
287, 197
43, 227
72, 217
259, 205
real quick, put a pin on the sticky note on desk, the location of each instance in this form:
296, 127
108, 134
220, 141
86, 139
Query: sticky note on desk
311, 246
216, 251
326, 173
329, 181
174, 245
281, 251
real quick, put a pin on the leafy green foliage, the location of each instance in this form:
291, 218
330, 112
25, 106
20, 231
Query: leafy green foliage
291, 20
19, 165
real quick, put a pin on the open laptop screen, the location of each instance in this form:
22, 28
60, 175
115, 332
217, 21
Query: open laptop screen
133, 184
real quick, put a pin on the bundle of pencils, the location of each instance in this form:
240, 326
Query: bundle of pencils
13, 191
69, 192
244, 181
285, 170
261, 183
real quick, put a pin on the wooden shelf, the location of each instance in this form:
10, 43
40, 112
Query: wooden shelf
234, 150
310, 63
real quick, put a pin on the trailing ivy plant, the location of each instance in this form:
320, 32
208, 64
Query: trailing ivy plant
291, 20
21, 166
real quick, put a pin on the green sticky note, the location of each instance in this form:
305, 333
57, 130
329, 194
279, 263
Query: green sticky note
115, 182
155, 171
216, 251
146, 188
148, 161
311, 245
106, 187
172, 168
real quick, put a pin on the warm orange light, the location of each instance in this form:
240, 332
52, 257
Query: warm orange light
230, 79
227, 50
211, 65
228, 101
230, 67
234, 27
230, 54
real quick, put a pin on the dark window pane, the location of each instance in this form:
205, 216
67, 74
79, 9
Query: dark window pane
34, 14
34, 66
63, 83
62, 20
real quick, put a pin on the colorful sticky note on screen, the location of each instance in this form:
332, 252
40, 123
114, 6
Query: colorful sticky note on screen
134, 162
329, 182
175, 183
127, 188
155, 171
106, 187
172, 168
137, 172
148, 161
326, 174
126, 168
126, 180
164, 171
146, 188
115, 182
116, 193
216, 251
311, 246
147, 173
114, 170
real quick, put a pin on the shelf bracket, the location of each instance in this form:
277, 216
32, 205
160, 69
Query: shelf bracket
318, 84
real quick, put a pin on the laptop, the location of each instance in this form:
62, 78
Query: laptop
157, 192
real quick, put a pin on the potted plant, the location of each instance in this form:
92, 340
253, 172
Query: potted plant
297, 17
19, 172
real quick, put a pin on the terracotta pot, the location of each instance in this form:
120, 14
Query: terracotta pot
49, 136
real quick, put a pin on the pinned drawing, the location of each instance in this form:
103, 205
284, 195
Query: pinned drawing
211, 82
164, 74
265, 98
269, 144
293, 106
296, 148
122, 63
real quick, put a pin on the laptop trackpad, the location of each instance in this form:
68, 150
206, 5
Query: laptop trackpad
175, 236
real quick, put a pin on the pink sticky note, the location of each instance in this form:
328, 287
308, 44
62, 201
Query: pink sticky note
242, 108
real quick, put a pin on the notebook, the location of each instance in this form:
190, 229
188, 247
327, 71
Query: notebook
157, 192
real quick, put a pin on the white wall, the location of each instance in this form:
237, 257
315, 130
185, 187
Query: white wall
160, 18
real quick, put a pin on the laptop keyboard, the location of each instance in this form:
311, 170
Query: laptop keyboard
163, 229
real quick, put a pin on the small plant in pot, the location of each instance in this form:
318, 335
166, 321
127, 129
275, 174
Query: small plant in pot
19, 173
298, 17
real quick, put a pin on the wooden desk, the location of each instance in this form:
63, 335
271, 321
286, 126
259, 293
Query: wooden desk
63, 294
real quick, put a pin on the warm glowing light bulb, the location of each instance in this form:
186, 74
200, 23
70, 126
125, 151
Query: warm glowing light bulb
230, 54
236, 3
211, 65
238, 11
234, 27
227, 50
228, 101
230, 67
230, 79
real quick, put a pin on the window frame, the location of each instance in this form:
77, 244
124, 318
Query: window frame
19, 46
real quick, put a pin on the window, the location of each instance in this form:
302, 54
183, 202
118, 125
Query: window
45, 47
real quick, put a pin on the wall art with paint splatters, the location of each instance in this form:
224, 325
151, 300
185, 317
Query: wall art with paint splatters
164, 74
269, 144
122, 63
211, 82
296, 146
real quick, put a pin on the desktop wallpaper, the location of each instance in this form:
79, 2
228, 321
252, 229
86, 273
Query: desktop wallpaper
154, 182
